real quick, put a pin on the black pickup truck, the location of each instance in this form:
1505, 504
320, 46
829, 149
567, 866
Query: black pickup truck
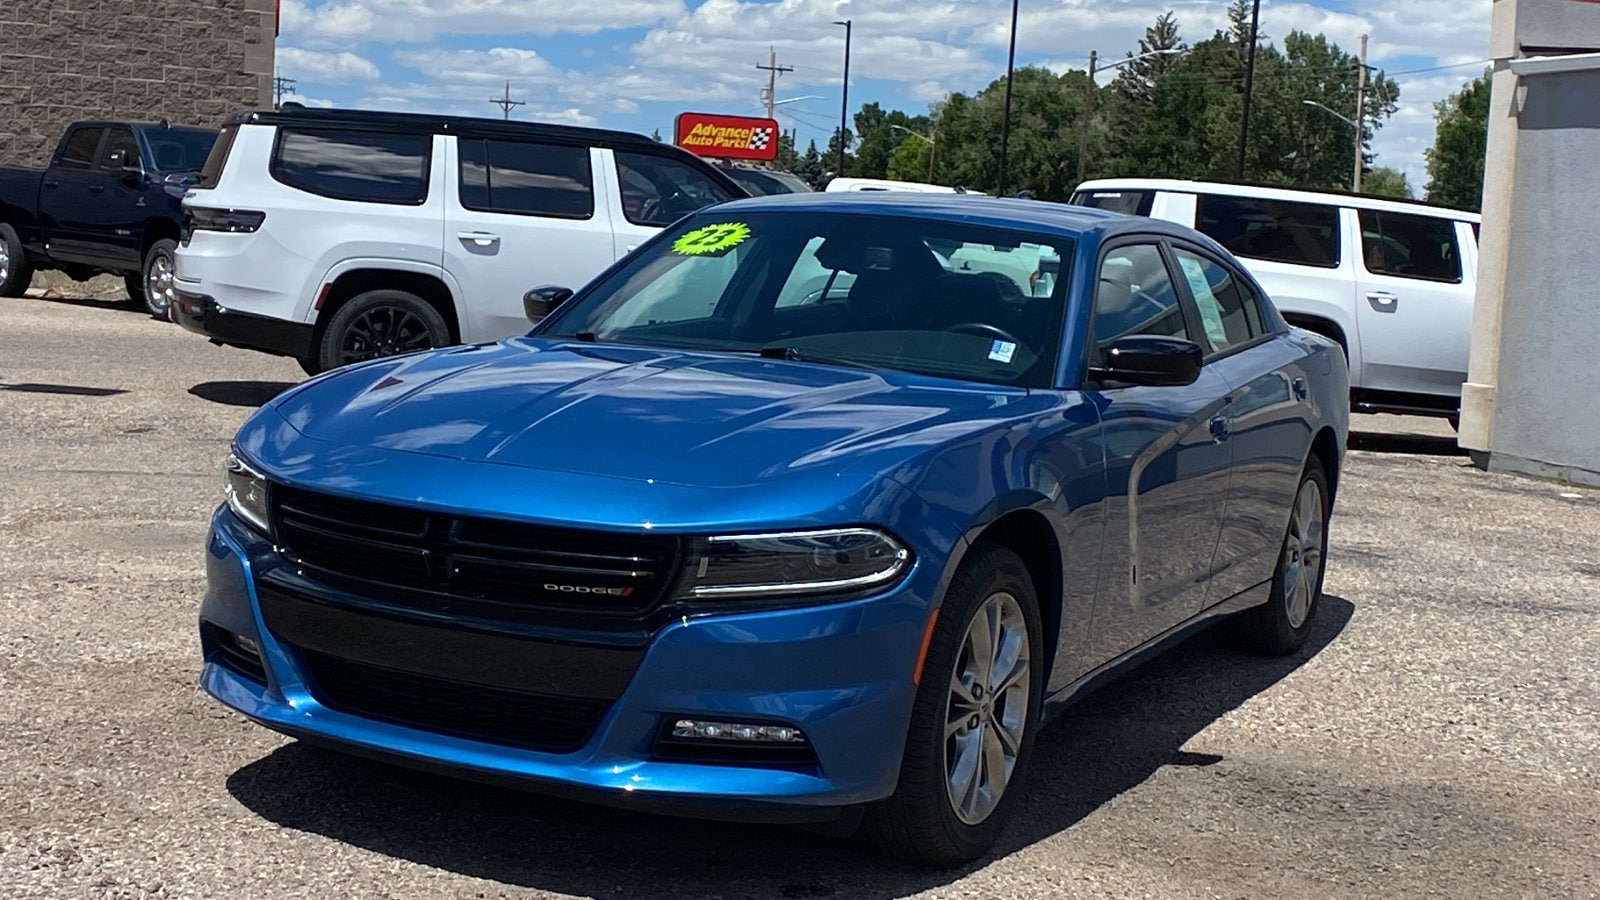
111, 201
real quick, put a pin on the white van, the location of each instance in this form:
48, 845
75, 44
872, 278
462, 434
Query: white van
334, 236
1392, 281
886, 184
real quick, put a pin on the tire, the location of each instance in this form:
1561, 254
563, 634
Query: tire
311, 365
377, 324
920, 821
1281, 626
15, 271
134, 282
156, 278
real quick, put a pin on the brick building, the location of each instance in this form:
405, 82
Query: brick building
192, 62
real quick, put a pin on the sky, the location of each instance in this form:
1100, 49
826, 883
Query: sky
635, 64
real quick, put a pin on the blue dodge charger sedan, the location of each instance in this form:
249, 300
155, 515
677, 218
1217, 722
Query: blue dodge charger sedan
812, 509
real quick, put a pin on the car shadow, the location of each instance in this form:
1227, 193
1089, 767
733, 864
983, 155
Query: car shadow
122, 304
1410, 444
240, 393
1112, 741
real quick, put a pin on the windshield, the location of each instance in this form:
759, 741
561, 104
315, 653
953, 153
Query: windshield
760, 182
934, 298
179, 149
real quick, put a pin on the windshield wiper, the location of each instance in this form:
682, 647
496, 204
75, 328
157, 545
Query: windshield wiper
794, 354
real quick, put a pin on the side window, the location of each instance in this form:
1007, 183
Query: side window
524, 178
1228, 310
1421, 247
118, 139
1133, 203
658, 191
372, 167
1305, 234
78, 153
1135, 295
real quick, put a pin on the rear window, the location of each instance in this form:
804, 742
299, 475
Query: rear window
371, 167
78, 151
524, 178
1305, 234
1133, 203
211, 170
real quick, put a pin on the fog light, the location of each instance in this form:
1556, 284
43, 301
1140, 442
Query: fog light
699, 729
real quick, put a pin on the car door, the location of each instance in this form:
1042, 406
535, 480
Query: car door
1167, 460
653, 192
64, 199
524, 213
1267, 381
1414, 305
115, 216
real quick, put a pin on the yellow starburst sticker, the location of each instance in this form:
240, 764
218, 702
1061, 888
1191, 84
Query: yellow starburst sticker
710, 239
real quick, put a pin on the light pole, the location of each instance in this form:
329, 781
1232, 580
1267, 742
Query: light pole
933, 145
1088, 102
844, 98
1005, 123
1355, 178
1249, 85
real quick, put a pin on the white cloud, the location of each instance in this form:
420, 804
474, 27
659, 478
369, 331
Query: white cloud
422, 20
480, 66
303, 100
326, 68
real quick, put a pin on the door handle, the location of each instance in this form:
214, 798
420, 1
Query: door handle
1299, 386
481, 238
52, 184
1383, 301
1220, 428
97, 188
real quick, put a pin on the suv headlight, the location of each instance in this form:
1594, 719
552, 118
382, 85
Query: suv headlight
246, 491
831, 563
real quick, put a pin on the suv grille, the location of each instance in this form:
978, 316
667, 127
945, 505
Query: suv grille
500, 569
496, 715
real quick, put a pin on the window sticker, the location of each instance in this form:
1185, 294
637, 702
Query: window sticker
1210, 307
1002, 351
711, 240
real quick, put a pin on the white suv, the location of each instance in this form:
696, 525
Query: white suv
1392, 281
334, 236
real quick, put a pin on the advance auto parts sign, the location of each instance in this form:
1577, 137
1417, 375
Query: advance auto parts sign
727, 137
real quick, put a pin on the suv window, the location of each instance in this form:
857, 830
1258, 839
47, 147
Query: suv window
118, 139
211, 170
78, 152
1134, 203
658, 191
524, 178
1421, 247
1305, 234
1228, 310
1135, 295
371, 167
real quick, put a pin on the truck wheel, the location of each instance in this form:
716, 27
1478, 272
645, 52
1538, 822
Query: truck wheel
381, 323
159, 265
15, 272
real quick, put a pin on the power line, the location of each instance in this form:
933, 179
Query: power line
773, 70
281, 86
505, 102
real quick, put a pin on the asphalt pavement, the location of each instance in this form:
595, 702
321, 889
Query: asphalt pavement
1439, 737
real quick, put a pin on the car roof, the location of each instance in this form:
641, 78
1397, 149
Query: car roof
1056, 219
1278, 192
431, 124
152, 126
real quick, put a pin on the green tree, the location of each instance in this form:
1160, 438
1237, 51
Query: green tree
1046, 110
830, 159
1461, 137
786, 159
811, 168
1384, 181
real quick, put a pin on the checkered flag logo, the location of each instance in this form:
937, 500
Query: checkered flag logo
759, 138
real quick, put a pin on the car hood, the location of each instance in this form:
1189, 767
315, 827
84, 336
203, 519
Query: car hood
667, 416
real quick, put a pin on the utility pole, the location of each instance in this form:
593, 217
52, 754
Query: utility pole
1083, 127
1361, 118
773, 70
1005, 123
844, 98
505, 102
1249, 84
280, 86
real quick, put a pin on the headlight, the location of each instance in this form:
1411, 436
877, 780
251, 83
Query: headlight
246, 490
827, 563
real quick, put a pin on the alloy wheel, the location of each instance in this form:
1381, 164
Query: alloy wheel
158, 284
5, 262
383, 331
986, 715
1302, 554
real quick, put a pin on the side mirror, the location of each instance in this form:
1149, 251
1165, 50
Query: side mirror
1152, 361
127, 166
543, 300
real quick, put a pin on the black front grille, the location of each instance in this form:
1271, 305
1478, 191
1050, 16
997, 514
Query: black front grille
514, 718
501, 568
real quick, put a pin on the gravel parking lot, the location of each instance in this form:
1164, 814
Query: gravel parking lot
1440, 737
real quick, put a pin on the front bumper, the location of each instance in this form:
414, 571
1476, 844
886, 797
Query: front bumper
202, 315
841, 673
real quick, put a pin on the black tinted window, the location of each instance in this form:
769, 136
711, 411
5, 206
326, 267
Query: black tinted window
1228, 310
659, 191
1421, 247
354, 165
1305, 234
179, 149
529, 179
78, 153
211, 170
1135, 295
119, 139
1134, 203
